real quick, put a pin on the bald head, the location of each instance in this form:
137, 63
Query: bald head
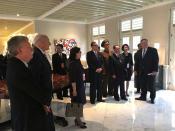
42, 41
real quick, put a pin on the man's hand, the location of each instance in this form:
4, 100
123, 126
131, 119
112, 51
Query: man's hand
46, 109
99, 70
62, 65
135, 73
154, 73
113, 76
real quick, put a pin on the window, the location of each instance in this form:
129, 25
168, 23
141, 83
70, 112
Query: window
136, 41
126, 25
137, 23
98, 34
174, 17
102, 29
96, 41
95, 31
125, 40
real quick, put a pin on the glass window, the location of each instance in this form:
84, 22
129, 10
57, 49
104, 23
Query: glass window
95, 31
126, 25
137, 23
102, 29
173, 17
125, 40
96, 41
136, 41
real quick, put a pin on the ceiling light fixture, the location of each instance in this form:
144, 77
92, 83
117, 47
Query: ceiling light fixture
17, 15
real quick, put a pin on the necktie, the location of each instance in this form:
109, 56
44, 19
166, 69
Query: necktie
60, 55
144, 52
96, 54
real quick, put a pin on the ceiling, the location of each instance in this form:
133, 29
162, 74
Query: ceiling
84, 11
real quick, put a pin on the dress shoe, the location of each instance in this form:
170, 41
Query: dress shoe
124, 99
61, 121
127, 94
141, 98
117, 99
152, 101
101, 100
81, 126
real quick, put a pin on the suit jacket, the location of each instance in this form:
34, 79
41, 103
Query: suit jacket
94, 63
149, 63
41, 72
116, 66
27, 113
56, 63
42, 77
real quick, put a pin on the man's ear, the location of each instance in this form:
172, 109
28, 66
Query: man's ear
19, 50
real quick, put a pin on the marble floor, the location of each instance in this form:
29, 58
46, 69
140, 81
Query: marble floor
131, 115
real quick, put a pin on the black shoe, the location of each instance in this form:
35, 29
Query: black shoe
76, 122
105, 96
59, 97
141, 98
117, 99
127, 94
61, 121
92, 102
152, 101
124, 99
81, 126
101, 100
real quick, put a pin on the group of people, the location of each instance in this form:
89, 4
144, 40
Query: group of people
29, 78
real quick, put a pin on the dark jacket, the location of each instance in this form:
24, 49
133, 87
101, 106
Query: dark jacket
149, 63
42, 77
116, 66
56, 63
27, 113
94, 63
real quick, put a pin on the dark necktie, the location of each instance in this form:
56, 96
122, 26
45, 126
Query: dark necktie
144, 52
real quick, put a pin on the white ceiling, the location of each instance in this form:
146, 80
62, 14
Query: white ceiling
84, 11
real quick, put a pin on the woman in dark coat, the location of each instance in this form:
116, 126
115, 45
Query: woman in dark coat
128, 65
76, 73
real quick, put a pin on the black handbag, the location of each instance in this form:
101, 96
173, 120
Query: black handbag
74, 110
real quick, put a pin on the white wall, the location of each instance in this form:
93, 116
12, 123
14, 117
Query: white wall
58, 30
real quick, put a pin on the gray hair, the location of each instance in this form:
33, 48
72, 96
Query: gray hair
15, 43
38, 38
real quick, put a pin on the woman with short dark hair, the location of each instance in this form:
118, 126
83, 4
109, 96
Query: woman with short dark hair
128, 65
76, 72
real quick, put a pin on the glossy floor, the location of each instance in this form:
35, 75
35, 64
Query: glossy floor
131, 115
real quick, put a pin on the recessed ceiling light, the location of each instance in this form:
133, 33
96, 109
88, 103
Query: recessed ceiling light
17, 15
5, 28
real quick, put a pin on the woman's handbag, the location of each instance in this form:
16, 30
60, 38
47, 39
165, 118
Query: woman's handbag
60, 81
74, 110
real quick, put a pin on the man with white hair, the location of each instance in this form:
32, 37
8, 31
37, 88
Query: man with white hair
42, 74
28, 103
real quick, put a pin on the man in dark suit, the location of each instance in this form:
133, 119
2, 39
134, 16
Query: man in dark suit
95, 63
147, 67
116, 68
137, 78
41, 71
29, 107
59, 62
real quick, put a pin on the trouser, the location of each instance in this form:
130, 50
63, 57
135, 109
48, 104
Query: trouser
137, 83
96, 85
116, 83
147, 84
106, 82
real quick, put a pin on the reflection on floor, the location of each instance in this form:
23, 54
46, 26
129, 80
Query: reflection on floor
131, 115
